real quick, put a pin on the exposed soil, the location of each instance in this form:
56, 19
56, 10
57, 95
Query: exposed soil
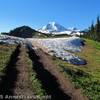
16, 82
53, 81
23, 85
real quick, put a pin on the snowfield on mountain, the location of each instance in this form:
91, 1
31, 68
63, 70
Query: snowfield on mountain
57, 29
63, 48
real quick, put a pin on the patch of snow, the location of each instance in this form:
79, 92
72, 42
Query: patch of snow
63, 48
5, 39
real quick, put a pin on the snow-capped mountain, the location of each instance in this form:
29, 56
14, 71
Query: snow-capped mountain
53, 27
57, 29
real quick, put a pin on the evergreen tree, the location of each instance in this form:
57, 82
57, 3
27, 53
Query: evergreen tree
94, 31
97, 29
91, 32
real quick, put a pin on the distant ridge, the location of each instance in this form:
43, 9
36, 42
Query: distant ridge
23, 32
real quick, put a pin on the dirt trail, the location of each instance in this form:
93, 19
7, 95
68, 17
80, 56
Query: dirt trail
23, 85
16, 81
49, 83
52, 80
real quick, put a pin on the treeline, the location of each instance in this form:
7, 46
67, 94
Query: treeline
94, 31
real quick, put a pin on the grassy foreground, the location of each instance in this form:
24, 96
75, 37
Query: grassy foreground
85, 77
5, 54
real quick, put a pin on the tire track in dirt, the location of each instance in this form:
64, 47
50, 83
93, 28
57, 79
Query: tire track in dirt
48, 80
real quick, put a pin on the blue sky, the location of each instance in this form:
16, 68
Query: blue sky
36, 13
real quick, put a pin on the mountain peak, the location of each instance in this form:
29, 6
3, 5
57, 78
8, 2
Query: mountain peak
53, 27
52, 22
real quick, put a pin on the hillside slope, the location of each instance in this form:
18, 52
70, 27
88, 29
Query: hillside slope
86, 77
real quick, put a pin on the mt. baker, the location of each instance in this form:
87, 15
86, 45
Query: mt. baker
57, 29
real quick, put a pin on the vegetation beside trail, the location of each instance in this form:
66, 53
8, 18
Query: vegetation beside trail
85, 77
8, 74
5, 54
